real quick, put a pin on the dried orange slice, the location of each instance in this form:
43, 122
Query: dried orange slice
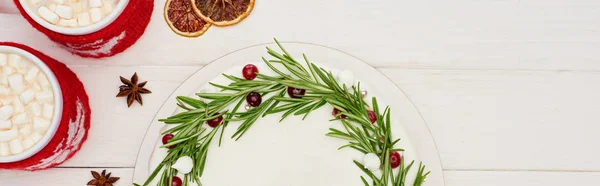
182, 19
223, 12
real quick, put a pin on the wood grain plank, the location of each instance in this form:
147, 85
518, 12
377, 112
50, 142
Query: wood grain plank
461, 34
495, 119
117, 131
80, 176
61, 177
520, 178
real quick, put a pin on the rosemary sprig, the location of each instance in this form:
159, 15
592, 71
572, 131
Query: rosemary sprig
192, 139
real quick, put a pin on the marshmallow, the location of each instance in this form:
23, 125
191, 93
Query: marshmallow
8, 135
3, 59
59, 1
64, 11
6, 112
17, 105
4, 91
27, 96
79, 7
45, 96
15, 146
96, 14
371, 162
35, 109
52, 7
14, 60
6, 101
68, 22
36, 87
25, 131
35, 137
28, 143
16, 83
5, 125
95, 3
184, 164
43, 81
6, 71
83, 19
40, 124
107, 7
35, 2
48, 15
32, 74
20, 119
4, 149
48, 111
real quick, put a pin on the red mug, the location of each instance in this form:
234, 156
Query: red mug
112, 35
66, 132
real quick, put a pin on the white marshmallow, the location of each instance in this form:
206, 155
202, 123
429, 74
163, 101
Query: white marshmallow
27, 96
35, 137
45, 96
68, 22
28, 143
15, 146
59, 1
4, 149
48, 111
15, 81
35, 2
51, 6
64, 11
371, 161
36, 87
79, 7
40, 124
6, 112
8, 135
95, 3
32, 74
3, 59
43, 81
5, 124
6, 71
35, 109
6, 101
4, 91
107, 7
25, 130
14, 60
83, 19
48, 15
96, 14
20, 119
17, 105
184, 164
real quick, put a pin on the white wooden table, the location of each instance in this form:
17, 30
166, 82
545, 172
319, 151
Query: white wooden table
509, 88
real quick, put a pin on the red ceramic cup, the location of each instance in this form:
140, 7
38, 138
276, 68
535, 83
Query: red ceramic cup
110, 36
71, 117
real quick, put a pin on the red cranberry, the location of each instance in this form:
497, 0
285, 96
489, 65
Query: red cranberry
215, 122
249, 71
395, 159
372, 116
176, 181
254, 99
166, 138
295, 92
336, 112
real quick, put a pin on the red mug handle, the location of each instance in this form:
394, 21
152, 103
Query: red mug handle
8, 7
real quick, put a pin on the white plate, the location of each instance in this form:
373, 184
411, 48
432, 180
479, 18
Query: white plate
278, 161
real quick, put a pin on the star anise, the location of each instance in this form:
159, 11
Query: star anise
102, 179
132, 89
